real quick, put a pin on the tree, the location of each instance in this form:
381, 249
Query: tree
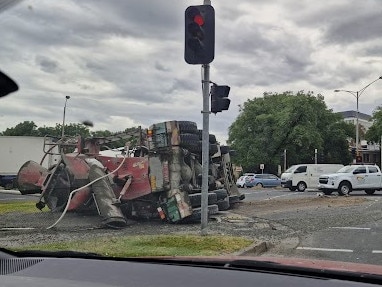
374, 133
299, 123
26, 128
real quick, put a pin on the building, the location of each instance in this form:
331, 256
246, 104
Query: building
370, 152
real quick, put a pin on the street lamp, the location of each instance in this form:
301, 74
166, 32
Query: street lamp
63, 118
357, 94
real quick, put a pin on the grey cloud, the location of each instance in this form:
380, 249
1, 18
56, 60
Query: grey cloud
46, 64
353, 30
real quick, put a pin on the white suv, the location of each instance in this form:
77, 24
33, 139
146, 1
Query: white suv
352, 177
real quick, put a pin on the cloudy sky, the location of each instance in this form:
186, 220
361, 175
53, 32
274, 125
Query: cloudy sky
122, 61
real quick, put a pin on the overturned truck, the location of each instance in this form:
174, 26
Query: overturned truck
157, 175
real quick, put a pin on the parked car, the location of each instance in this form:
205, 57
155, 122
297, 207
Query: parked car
263, 180
241, 181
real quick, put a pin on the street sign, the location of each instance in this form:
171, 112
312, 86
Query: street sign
261, 166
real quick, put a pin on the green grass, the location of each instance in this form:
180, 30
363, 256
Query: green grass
152, 245
19, 206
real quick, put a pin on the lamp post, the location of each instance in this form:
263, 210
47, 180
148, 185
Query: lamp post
357, 94
63, 117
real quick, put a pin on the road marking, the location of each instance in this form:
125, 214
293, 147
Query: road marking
325, 249
350, 228
376, 251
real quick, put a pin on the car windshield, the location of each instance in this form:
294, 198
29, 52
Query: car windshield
291, 169
128, 128
346, 169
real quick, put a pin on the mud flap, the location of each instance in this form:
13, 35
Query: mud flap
105, 199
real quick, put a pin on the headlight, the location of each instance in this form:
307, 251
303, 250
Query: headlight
333, 177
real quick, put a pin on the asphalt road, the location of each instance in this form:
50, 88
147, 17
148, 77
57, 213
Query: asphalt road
15, 195
347, 233
255, 194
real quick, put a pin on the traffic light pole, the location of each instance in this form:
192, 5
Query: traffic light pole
205, 147
205, 142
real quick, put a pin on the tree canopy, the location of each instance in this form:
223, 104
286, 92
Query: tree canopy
374, 133
29, 128
298, 123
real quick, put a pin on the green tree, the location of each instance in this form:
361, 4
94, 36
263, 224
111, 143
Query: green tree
374, 133
26, 128
299, 123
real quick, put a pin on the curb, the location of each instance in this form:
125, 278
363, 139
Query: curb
254, 249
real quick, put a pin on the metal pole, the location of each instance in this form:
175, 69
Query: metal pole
205, 148
315, 156
357, 127
63, 118
205, 143
285, 161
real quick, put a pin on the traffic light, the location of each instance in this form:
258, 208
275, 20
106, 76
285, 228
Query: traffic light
199, 34
353, 152
219, 98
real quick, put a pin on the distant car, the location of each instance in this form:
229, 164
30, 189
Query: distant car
241, 181
263, 180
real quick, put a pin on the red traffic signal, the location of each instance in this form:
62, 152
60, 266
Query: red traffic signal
199, 34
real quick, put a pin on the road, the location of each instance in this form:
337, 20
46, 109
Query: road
329, 227
254, 194
349, 232
15, 195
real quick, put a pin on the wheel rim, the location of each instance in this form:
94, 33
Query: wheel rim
345, 189
301, 187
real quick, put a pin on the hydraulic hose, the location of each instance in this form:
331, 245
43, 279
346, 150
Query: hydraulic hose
75, 190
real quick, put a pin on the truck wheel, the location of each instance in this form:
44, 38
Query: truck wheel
344, 188
224, 204
370, 191
327, 191
301, 186
196, 199
188, 127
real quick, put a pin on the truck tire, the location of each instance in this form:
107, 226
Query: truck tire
344, 188
221, 194
196, 199
301, 186
196, 215
327, 191
369, 191
188, 127
190, 142
211, 138
223, 204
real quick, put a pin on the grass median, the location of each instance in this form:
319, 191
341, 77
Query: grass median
152, 245
18, 206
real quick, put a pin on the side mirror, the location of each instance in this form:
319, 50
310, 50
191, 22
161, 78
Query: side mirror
7, 85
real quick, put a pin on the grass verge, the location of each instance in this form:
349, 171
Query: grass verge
152, 245
19, 206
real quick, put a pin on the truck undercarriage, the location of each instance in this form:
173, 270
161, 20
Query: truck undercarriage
156, 176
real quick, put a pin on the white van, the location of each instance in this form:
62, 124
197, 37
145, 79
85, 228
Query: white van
305, 176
